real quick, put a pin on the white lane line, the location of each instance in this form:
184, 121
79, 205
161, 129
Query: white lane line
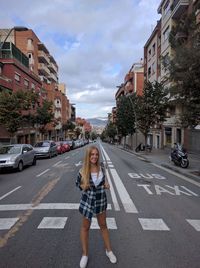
5, 195
177, 175
41, 206
57, 163
195, 224
124, 196
106, 155
141, 158
153, 224
67, 157
52, 223
43, 172
7, 223
112, 192
111, 223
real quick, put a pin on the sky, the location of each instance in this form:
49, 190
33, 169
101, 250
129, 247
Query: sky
94, 42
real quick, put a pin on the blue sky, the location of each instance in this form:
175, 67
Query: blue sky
94, 42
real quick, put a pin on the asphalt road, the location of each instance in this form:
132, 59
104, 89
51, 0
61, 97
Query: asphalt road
153, 215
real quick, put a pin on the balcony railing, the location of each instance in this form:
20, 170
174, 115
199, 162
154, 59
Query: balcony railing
178, 7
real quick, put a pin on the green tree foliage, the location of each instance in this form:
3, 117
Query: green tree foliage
15, 109
111, 130
68, 126
126, 115
44, 115
151, 106
184, 69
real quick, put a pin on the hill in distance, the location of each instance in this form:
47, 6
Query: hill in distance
99, 122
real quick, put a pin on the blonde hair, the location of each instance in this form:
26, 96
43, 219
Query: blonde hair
86, 168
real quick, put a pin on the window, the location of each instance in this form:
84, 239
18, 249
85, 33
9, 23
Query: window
166, 7
153, 68
166, 60
26, 83
149, 71
33, 86
154, 48
17, 77
166, 34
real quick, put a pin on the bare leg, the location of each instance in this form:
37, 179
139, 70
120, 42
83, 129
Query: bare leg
84, 235
104, 230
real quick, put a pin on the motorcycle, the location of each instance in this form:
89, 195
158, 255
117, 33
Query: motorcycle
141, 147
179, 156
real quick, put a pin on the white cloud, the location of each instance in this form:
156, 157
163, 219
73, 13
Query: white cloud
94, 42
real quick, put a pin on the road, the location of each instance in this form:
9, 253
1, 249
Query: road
153, 215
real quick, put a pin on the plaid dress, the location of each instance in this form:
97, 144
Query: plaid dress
93, 200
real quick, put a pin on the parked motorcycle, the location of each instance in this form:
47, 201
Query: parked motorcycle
179, 156
141, 147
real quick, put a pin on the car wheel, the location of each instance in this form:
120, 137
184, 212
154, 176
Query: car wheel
34, 161
20, 166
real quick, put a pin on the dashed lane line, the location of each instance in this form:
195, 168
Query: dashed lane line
43, 173
5, 195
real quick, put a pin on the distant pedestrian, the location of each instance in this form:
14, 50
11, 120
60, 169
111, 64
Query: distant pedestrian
92, 183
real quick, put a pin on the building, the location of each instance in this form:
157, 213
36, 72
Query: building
15, 75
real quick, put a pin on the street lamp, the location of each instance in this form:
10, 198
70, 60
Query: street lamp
16, 28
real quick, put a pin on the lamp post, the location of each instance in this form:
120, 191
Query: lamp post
16, 28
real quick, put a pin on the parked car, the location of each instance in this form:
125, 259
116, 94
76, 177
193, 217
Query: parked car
45, 149
16, 156
60, 147
71, 144
67, 146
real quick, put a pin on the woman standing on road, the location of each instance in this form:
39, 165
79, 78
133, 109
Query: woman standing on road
91, 180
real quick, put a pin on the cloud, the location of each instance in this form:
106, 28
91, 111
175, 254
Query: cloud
94, 42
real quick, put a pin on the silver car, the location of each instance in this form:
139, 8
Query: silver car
45, 149
16, 156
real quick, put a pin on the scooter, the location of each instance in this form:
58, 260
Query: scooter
141, 147
179, 156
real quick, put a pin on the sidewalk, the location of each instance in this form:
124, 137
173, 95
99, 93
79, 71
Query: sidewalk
161, 157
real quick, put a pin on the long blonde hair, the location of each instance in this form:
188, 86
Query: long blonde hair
86, 168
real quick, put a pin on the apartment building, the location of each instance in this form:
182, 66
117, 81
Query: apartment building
171, 12
43, 65
16, 75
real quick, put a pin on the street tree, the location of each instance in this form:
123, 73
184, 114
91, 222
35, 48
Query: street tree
184, 69
16, 109
111, 131
125, 121
151, 106
44, 115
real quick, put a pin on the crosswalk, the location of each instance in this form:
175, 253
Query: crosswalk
147, 224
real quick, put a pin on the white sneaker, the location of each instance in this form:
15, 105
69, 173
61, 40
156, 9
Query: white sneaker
84, 261
111, 256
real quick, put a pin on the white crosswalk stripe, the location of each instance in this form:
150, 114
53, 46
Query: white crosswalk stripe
7, 223
195, 224
111, 223
153, 224
52, 223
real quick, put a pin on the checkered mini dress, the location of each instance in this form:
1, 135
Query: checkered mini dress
93, 200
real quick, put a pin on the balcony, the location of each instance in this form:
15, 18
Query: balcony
52, 67
52, 77
178, 8
43, 70
42, 57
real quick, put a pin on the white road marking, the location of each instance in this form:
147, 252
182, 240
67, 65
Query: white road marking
50, 206
195, 224
5, 195
123, 194
52, 223
112, 192
43, 172
57, 163
111, 223
141, 158
78, 164
67, 157
7, 223
110, 166
177, 175
153, 224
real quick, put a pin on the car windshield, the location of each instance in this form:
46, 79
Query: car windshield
10, 150
42, 144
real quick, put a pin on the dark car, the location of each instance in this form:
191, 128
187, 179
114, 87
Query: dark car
45, 149
16, 156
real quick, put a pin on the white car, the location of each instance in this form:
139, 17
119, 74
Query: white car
16, 156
